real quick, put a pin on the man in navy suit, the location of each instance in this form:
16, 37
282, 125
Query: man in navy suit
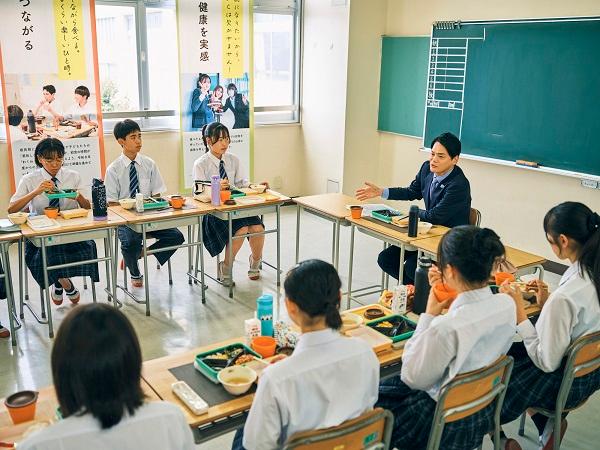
445, 190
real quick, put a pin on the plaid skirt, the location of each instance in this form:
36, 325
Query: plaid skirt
62, 254
413, 415
216, 231
532, 387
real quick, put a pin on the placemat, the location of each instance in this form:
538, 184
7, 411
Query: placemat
160, 210
387, 225
212, 393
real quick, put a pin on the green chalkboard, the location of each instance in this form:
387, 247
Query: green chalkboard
402, 84
519, 90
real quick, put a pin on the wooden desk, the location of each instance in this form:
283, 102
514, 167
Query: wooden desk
5, 240
228, 416
331, 207
45, 413
70, 231
389, 236
154, 220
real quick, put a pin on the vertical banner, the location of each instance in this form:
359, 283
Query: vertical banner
215, 66
50, 84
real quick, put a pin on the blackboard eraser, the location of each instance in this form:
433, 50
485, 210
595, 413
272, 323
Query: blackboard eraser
522, 162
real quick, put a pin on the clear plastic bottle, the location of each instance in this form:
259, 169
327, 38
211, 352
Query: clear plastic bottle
139, 202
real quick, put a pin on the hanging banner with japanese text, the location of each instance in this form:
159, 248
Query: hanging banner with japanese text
215, 67
50, 84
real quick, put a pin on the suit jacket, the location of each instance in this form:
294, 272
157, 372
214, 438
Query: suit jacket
241, 112
450, 203
201, 112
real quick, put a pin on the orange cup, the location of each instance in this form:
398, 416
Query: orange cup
501, 277
225, 195
21, 406
443, 292
356, 212
177, 201
264, 346
51, 212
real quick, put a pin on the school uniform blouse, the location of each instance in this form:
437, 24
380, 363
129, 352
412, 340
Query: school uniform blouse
154, 425
208, 165
478, 328
328, 379
570, 312
116, 179
66, 179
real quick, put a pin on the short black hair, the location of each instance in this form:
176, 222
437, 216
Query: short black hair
125, 127
50, 88
314, 286
48, 148
97, 364
213, 131
202, 77
472, 251
450, 142
83, 90
15, 115
232, 86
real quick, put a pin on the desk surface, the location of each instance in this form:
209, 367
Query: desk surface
78, 224
45, 413
436, 230
131, 216
330, 204
15, 236
268, 202
518, 257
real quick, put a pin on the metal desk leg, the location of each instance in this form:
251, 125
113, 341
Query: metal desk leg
10, 299
25, 277
48, 305
107, 249
21, 274
401, 269
350, 264
115, 259
199, 249
336, 244
298, 211
278, 208
146, 286
385, 246
190, 256
201, 254
230, 240
333, 245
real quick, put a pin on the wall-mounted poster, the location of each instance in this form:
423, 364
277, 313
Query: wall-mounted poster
50, 85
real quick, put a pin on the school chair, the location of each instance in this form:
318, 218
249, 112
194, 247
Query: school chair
583, 357
475, 217
468, 394
372, 430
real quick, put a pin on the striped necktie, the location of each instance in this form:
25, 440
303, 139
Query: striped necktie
432, 188
134, 185
55, 202
222, 172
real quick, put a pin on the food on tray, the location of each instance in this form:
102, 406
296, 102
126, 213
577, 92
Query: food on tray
393, 326
386, 298
350, 320
385, 324
401, 222
243, 359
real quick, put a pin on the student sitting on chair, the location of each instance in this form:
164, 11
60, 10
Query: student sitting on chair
218, 161
477, 329
328, 379
97, 367
31, 195
446, 193
571, 311
129, 174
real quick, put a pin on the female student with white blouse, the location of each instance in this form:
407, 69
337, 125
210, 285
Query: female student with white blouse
218, 161
477, 329
328, 379
97, 366
51, 175
571, 311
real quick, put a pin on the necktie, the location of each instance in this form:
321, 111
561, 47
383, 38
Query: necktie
432, 188
134, 185
222, 172
55, 202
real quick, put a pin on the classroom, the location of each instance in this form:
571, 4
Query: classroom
307, 224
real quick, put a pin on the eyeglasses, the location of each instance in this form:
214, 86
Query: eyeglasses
55, 160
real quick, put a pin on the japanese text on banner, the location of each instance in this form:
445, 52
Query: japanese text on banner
233, 55
68, 21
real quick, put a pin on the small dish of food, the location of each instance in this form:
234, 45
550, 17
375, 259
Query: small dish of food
127, 203
18, 218
258, 188
237, 380
350, 321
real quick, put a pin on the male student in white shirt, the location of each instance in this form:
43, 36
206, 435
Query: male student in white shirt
82, 110
129, 174
48, 103
15, 116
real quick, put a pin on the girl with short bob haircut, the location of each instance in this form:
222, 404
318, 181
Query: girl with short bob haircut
477, 329
328, 379
218, 161
31, 196
571, 311
96, 367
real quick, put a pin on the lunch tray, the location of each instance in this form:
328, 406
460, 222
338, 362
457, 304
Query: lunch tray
155, 203
208, 371
235, 193
399, 337
61, 194
383, 217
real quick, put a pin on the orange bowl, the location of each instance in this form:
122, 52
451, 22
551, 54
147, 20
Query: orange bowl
356, 212
21, 406
443, 292
51, 212
225, 195
177, 201
264, 346
501, 277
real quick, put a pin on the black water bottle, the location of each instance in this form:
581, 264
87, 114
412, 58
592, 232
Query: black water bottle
413, 221
30, 122
421, 285
99, 204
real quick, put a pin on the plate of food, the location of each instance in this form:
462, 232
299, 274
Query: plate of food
211, 362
